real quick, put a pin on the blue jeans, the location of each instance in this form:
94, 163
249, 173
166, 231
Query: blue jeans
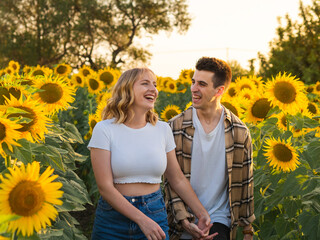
110, 224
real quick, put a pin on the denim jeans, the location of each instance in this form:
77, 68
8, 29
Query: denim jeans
110, 224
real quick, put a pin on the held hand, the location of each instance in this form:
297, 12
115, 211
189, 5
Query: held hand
151, 229
205, 225
196, 232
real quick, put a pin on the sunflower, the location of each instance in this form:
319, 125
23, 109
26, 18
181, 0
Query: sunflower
104, 96
78, 80
313, 109
40, 71
246, 94
169, 112
27, 69
93, 120
317, 88
309, 88
108, 76
286, 92
233, 104
24, 193
2, 73
257, 109
171, 86
281, 155
8, 133
9, 71
13, 88
55, 93
100, 109
282, 120
257, 81
95, 86
14, 65
34, 118
188, 105
162, 82
85, 70
186, 75
231, 91
243, 83
63, 69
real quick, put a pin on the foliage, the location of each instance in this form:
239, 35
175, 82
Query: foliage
47, 32
297, 47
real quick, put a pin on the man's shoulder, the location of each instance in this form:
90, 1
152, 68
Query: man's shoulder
178, 120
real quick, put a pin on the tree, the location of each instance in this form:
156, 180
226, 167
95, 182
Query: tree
297, 48
47, 32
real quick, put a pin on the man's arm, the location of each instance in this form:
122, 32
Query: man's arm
247, 206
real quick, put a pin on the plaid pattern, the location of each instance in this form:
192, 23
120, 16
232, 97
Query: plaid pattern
240, 170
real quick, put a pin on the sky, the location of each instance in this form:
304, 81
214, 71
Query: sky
225, 29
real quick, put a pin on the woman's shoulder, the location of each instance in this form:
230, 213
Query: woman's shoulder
162, 125
105, 123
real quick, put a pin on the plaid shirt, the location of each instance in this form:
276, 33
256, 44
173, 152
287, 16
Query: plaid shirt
240, 171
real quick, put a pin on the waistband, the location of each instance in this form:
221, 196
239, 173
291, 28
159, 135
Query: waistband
144, 198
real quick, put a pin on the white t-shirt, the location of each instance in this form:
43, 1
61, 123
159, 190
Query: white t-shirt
209, 176
137, 155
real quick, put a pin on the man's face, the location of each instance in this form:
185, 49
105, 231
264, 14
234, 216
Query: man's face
203, 92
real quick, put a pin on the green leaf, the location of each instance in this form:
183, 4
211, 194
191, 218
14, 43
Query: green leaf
310, 223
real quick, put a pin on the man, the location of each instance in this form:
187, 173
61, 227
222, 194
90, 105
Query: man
214, 151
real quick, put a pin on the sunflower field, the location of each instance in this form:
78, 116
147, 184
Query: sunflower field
46, 120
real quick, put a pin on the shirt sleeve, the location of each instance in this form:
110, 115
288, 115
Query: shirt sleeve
100, 137
170, 144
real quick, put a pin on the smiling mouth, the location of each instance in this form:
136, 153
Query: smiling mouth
150, 97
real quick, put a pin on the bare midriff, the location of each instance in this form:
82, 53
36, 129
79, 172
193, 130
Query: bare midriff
137, 189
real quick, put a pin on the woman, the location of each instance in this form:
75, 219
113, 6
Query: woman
130, 151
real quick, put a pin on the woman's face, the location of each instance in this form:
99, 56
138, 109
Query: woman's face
145, 92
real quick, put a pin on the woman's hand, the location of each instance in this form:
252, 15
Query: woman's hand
151, 229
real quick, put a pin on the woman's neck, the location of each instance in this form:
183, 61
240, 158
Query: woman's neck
136, 120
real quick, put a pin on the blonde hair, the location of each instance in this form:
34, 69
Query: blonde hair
118, 106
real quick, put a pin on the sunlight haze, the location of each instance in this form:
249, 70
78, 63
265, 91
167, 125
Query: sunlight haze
229, 29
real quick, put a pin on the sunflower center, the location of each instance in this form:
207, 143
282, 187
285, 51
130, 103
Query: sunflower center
106, 77
318, 87
62, 69
2, 131
282, 153
26, 198
171, 113
245, 86
38, 72
52, 93
79, 79
93, 83
285, 92
85, 72
93, 123
231, 108
15, 92
232, 92
312, 108
284, 121
309, 89
171, 86
3, 93
260, 108
29, 114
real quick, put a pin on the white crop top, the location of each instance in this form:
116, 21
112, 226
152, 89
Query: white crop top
137, 155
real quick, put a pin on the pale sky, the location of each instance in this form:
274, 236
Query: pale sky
226, 29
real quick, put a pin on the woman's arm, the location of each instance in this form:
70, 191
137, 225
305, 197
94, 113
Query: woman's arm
101, 164
182, 187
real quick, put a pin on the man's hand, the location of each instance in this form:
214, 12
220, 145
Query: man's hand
247, 237
196, 232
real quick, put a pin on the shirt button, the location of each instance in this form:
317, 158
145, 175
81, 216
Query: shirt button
133, 200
